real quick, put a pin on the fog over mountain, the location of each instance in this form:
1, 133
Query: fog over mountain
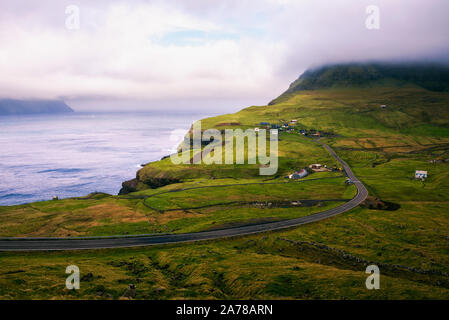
199, 55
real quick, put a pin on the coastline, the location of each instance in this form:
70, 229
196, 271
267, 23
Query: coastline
75, 154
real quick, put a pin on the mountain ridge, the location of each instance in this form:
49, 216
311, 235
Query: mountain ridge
430, 76
19, 107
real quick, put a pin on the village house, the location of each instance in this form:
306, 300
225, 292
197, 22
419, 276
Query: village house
420, 174
298, 174
315, 166
383, 106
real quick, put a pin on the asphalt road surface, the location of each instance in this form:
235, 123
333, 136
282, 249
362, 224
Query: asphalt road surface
135, 241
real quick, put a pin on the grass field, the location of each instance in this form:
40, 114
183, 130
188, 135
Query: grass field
273, 265
174, 211
324, 260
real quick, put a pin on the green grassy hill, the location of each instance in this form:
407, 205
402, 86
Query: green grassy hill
325, 260
432, 77
344, 100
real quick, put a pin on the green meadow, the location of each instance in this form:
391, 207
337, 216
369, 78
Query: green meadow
324, 260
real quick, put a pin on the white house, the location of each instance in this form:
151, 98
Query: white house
419, 174
256, 129
298, 174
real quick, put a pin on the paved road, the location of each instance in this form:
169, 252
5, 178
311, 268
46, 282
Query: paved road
100, 243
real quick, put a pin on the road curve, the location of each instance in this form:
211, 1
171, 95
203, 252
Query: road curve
104, 243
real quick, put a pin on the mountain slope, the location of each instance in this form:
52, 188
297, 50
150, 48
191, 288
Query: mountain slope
344, 101
10, 106
325, 260
432, 77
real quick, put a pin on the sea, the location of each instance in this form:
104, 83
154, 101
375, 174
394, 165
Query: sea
70, 155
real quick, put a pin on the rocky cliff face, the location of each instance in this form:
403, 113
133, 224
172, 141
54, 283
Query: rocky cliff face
141, 182
128, 187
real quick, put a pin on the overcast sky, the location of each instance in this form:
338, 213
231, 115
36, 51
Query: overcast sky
218, 55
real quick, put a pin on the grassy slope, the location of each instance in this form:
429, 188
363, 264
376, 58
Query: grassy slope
384, 147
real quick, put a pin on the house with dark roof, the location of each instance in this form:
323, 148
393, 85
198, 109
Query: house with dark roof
298, 174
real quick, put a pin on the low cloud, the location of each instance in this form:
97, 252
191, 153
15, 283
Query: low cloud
176, 54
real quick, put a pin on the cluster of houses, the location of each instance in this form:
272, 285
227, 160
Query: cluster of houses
435, 161
419, 174
315, 167
291, 127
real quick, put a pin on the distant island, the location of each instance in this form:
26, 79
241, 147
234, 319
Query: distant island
18, 107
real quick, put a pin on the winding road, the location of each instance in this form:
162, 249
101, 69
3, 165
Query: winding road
48, 244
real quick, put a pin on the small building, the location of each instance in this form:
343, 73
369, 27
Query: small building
256, 129
383, 106
264, 123
298, 174
420, 174
315, 166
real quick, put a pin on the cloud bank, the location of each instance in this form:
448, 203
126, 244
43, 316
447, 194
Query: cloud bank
208, 55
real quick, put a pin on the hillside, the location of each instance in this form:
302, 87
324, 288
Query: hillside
403, 228
432, 77
343, 100
17, 107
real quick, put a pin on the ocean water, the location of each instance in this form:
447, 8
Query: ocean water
69, 155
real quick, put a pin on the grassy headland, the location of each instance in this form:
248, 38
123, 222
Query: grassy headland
384, 147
